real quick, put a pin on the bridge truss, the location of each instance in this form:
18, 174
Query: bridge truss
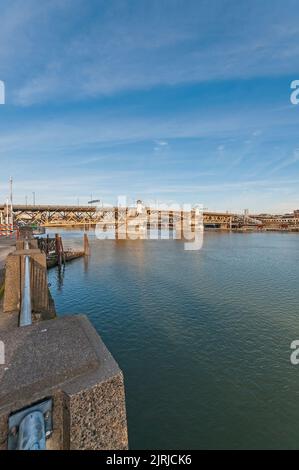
55, 216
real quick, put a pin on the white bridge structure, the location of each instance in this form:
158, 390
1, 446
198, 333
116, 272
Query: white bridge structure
112, 216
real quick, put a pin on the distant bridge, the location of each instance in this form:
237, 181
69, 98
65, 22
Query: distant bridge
63, 216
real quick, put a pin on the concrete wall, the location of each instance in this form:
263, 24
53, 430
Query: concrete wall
14, 278
63, 359
66, 360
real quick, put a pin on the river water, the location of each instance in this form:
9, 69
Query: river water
203, 337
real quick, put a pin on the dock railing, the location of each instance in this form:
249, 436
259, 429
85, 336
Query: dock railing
26, 310
32, 428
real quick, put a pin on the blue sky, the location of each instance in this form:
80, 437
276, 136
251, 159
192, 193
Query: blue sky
185, 101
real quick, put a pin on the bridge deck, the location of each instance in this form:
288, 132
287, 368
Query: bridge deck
62, 208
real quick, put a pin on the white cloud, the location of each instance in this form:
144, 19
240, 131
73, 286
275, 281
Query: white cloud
160, 146
161, 143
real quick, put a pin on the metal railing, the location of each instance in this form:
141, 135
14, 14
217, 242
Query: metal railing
26, 310
32, 432
9, 230
32, 427
25, 315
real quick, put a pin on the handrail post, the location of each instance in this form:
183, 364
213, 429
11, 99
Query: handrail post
31, 435
25, 315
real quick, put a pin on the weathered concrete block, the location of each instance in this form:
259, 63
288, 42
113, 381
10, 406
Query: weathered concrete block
65, 359
33, 244
12, 293
19, 245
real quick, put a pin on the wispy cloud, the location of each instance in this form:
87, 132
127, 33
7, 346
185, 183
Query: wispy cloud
119, 46
177, 97
286, 162
77, 131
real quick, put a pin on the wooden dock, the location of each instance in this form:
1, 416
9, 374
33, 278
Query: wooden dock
55, 252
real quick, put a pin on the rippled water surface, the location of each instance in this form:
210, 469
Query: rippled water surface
203, 338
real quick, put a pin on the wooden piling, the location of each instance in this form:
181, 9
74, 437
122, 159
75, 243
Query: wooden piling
58, 249
61, 250
47, 245
86, 245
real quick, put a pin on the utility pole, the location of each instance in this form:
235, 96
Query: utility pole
7, 212
26, 201
11, 201
33, 197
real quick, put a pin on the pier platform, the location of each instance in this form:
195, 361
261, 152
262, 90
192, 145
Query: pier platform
66, 360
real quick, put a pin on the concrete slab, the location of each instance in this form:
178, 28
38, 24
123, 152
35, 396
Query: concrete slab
8, 321
65, 359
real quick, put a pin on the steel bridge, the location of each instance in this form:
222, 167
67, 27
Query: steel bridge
59, 215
